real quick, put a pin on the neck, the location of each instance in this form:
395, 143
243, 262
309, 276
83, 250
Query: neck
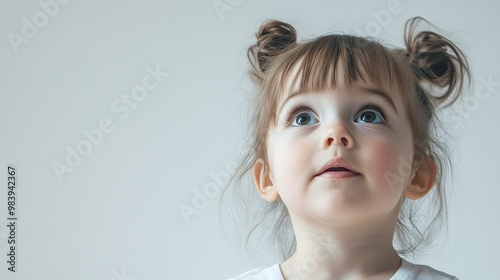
359, 252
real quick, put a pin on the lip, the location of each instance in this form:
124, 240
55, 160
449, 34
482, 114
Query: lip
338, 162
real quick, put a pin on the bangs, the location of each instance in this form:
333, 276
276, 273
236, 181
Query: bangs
318, 65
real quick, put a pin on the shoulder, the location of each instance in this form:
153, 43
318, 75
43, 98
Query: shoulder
410, 271
262, 273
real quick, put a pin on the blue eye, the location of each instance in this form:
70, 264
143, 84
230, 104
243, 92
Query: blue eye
369, 117
372, 114
301, 116
304, 118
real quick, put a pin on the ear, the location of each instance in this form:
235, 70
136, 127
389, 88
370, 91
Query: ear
423, 179
263, 181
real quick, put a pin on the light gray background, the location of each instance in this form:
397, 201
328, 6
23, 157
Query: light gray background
116, 215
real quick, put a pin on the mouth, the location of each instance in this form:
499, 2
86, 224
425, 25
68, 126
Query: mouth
338, 172
338, 168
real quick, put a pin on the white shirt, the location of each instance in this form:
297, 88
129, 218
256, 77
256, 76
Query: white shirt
407, 271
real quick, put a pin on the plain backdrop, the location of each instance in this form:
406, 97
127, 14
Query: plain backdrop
109, 207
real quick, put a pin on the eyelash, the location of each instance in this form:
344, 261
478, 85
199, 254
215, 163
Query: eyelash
296, 109
300, 108
379, 109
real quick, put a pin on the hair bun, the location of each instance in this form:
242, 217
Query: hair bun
436, 60
273, 38
431, 58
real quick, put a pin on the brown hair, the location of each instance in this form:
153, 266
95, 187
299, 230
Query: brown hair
431, 72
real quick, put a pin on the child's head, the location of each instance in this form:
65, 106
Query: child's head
342, 96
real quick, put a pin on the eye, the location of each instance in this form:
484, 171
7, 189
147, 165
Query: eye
304, 118
372, 114
301, 116
369, 117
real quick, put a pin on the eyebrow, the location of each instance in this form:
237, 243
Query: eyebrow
375, 91
382, 94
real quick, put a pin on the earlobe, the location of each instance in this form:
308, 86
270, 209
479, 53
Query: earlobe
423, 180
263, 182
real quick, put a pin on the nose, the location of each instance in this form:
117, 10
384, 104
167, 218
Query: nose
337, 135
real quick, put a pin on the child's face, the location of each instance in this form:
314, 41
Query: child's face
381, 154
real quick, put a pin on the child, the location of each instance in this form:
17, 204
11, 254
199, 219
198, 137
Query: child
343, 147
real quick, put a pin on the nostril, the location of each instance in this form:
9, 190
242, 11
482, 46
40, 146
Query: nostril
345, 141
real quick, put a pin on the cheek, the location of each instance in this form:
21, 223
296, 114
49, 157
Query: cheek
382, 157
290, 164
389, 164
289, 158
